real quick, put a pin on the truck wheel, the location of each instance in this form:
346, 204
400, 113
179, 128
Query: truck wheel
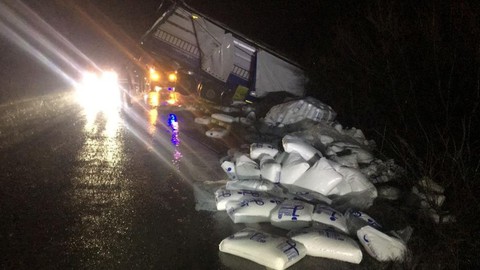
211, 93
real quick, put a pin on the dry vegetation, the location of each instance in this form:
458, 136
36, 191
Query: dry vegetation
408, 73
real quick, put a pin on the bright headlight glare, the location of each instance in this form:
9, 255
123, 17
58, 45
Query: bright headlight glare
154, 76
99, 92
172, 77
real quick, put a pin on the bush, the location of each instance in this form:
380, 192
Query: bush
408, 73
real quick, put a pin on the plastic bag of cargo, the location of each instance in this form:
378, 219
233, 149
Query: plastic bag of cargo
223, 196
349, 160
328, 243
380, 245
341, 189
357, 219
271, 251
246, 168
224, 118
356, 179
204, 192
325, 214
358, 200
252, 210
298, 110
269, 168
229, 168
296, 193
293, 167
227, 109
203, 120
257, 149
250, 184
294, 144
363, 156
292, 214
216, 133
321, 178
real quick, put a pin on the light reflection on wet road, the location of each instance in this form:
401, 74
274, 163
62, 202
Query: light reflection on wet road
101, 194
87, 190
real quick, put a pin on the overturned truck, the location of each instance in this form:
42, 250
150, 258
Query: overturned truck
215, 62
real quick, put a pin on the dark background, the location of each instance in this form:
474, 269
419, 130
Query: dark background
406, 72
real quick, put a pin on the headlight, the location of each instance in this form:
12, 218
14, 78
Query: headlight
172, 77
154, 76
99, 91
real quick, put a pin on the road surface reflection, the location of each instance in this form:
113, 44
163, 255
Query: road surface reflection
101, 194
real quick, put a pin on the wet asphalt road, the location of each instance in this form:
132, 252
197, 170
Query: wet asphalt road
84, 190
96, 191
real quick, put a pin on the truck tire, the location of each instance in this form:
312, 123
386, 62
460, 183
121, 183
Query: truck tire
211, 92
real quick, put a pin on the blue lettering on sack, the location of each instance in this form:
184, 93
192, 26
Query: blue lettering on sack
365, 238
331, 233
275, 201
259, 237
259, 202
373, 223
333, 217
289, 211
247, 192
290, 249
224, 194
356, 213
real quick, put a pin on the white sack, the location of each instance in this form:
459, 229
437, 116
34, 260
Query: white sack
346, 160
203, 120
229, 168
292, 168
327, 215
269, 169
363, 156
216, 133
224, 118
223, 196
257, 149
295, 144
328, 243
429, 184
292, 214
321, 177
381, 246
358, 219
296, 193
269, 250
357, 181
252, 210
246, 168
250, 184
341, 189
299, 110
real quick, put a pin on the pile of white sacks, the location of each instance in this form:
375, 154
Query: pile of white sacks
297, 190
315, 184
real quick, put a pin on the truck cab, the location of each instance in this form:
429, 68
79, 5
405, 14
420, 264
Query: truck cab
149, 84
